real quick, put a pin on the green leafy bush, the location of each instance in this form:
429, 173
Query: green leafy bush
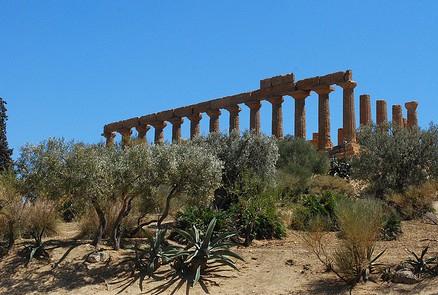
300, 158
315, 206
257, 218
200, 217
394, 159
392, 225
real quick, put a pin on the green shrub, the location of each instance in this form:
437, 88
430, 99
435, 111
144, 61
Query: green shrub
391, 225
315, 206
415, 201
300, 158
394, 159
257, 218
201, 216
360, 223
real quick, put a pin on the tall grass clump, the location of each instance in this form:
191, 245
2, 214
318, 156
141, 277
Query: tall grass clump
360, 223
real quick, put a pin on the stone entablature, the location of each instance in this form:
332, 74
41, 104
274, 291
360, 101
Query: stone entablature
273, 90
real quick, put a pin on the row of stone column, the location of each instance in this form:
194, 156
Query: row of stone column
382, 113
324, 141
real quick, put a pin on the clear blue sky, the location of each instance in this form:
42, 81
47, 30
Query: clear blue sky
69, 67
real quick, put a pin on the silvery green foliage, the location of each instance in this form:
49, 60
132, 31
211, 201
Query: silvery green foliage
42, 168
250, 153
189, 169
392, 159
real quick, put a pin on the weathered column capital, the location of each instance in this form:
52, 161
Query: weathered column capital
300, 94
348, 84
142, 130
159, 131
397, 116
214, 113
233, 109
196, 117
411, 105
234, 118
254, 105
109, 136
276, 100
159, 124
126, 133
324, 89
176, 121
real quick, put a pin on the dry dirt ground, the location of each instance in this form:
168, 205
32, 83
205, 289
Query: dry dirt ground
271, 267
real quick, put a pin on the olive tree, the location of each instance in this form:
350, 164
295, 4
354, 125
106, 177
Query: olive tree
250, 156
42, 169
186, 170
392, 159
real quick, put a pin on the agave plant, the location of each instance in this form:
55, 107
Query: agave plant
422, 264
149, 260
202, 254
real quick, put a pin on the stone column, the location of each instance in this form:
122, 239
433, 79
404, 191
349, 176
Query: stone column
195, 129
254, 121
349, 116
142, 130
365, 110
176, 129
277, 116
126, 136
340, 136
159, 132
397, 116
214, 120
405, 122
324, 142
109, 136
300, 112
234, 118
411, 106
381, 112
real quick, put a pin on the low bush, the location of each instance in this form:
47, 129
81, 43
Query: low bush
201, 216
41, 220
257, 218
391, 226
326, 183
360, 223
315, 206
416, 201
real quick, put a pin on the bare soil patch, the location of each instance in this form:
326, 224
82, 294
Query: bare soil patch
271, 267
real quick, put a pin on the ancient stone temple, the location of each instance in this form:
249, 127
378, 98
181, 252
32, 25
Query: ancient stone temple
274, 90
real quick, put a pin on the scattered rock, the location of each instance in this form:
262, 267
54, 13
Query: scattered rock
96, 257
290, 262
405, 276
